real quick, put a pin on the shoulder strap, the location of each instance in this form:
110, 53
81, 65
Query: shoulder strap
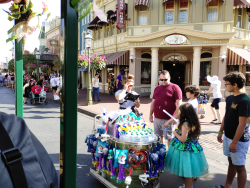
12, 158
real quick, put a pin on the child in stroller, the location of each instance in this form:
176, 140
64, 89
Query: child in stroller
112, 86
38, 94
202, 101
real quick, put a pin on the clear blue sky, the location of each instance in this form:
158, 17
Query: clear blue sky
54, 7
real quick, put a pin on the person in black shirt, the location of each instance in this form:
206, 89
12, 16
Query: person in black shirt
236, 130
40, 82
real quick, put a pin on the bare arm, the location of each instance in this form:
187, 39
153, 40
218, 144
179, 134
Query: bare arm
151, 111
184, 133
177, 111
210, 90
121, 95
117, 81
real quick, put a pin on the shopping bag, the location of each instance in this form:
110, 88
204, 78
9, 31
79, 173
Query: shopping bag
201, 108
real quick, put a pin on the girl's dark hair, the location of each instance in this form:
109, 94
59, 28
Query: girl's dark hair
193, 89
189, 115
236, 78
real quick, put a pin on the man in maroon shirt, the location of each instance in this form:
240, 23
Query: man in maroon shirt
166, 96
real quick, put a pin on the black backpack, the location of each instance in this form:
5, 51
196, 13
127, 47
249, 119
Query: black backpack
24, 162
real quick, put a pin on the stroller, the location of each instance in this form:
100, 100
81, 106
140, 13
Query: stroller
112, 87
202, 100
38, 94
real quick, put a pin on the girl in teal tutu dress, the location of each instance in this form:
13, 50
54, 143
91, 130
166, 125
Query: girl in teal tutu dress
185, 156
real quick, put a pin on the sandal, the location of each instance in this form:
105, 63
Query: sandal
219, 186
215, 120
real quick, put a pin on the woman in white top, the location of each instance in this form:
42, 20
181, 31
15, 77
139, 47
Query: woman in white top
95, 82
217, 97
53, 84
121, 94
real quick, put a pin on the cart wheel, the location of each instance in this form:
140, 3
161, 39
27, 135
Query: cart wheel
33, 102
46, 102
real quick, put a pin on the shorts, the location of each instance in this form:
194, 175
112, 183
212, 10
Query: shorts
12, 82
238, 158
1, 81
159, 125
54, 88
215, 103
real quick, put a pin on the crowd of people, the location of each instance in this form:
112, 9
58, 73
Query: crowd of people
185, 156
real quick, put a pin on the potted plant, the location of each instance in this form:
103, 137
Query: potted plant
97, 62
44, 68
30, 67
82, 61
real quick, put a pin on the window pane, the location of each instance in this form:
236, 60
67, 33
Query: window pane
169, 17
239, 22
205, 70
232, 68
239, 11
142, 18
183, 16
184, 3
170, 4
143, 8
214, 3
145, 72
212, 14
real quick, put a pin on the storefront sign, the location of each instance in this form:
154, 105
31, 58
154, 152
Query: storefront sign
120, 17
53, 42
175, 40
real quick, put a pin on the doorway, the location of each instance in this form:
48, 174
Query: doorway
177, 72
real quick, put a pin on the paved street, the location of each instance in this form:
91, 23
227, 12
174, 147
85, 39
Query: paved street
43, 121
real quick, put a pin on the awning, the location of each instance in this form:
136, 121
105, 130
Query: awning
48, 57
238, 56
142, 2
208, 1
109, 14
163, 1
117, 58
241, 4
94, 24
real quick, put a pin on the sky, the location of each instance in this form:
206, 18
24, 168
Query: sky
53, 7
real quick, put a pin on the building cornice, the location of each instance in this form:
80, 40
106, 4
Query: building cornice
52, 30
183, 31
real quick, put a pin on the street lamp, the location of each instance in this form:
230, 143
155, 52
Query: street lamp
37, 64
88, 40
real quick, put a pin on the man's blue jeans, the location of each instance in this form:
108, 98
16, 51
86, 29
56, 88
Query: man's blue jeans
95, 89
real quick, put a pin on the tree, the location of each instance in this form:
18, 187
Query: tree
29, 58
57, 64
11, 65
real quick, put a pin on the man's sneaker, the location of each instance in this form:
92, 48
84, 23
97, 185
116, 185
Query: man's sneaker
99, 100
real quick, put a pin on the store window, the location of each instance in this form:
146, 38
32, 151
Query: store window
169, 11
239, 19
110, 72
213, 11
205, 70
183, 12
143, 15
145, 72
125, 70
232, 68
247, 75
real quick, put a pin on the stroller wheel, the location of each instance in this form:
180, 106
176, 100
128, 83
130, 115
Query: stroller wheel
32, 101
46, 102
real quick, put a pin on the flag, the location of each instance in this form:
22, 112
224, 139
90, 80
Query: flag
101, 15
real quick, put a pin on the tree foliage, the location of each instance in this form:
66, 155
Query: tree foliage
11, 65
29, 58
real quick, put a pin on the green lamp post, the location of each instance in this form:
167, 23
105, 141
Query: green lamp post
37, 64
88, 40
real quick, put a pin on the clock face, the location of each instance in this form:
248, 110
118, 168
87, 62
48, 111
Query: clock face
176, 40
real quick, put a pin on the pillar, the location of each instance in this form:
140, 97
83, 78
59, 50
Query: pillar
215, 61
104, 79
222, 70
196, 65
135, 68
154, 69
69, 97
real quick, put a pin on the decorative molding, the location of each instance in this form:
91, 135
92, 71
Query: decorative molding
177, 30
176, 40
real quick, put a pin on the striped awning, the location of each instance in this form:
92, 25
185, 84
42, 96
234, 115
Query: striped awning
94, 24
109, 14
142, 2
163, 1
208, 1
238, 56
117, 58
241, 4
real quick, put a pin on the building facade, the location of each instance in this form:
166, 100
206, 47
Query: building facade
189, 38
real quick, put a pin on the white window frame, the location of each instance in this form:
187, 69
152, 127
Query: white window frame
240, 18
169, 10
181, 9
139, 11
213, 7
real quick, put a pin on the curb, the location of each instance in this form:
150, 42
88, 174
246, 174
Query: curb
81, 110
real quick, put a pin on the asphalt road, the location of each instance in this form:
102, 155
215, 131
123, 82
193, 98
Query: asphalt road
43, 121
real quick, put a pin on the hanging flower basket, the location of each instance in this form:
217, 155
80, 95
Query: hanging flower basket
4, 70
97, 62
44, 68
82, 61
30, 67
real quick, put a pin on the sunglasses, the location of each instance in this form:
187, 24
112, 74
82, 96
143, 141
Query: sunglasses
164, 80
227, 84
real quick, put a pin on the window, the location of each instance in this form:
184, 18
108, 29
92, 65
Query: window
213, 11
183, 14
232, 68
169, 11
113, 30
249, 23
143, 15
145, 72
239, 19
205, 70
107, 31
247, 75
